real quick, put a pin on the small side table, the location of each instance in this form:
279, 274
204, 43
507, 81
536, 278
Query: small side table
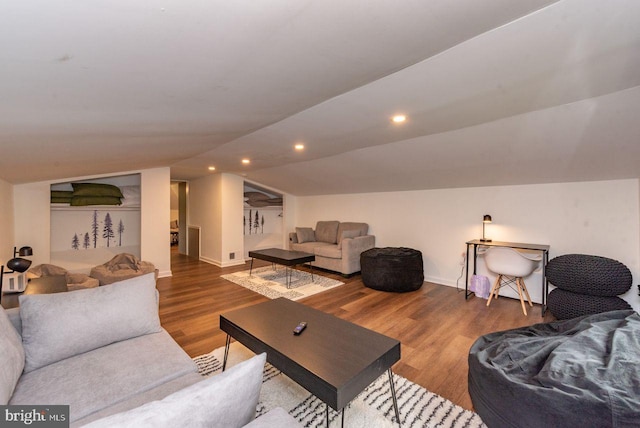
42, 285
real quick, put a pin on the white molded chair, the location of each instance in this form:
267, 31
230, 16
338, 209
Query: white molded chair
511, 266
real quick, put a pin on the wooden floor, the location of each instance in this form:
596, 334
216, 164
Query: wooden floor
435, 324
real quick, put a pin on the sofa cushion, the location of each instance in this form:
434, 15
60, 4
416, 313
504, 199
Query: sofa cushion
60, 325
329, 251
227, 400
91, 381
305, 234
346, 234
327, 231
157, 393
11, 356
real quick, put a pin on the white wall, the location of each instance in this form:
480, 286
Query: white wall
32, 217
205, 212
215, 206
155, 187
7, 241
232, 205
600, 218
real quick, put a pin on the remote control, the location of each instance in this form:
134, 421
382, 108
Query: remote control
299, 328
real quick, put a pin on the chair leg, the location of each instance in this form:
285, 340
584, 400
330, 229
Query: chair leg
519, 287
495, 289
526, 292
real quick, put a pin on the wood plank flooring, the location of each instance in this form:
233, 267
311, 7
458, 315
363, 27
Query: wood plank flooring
435, 324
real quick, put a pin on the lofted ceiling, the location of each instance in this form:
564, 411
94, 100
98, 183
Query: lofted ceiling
496, 91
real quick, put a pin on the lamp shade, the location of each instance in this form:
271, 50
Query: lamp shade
25, 251
19, 264
486, 218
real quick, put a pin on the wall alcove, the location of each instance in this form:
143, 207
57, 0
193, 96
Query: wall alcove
90, 231
263, 218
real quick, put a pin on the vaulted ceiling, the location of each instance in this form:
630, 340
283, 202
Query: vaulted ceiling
495, 92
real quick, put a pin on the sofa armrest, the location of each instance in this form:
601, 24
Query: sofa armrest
293, 238
358, 245
351, 250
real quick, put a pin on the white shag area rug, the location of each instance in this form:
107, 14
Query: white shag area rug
373, 408
272, 283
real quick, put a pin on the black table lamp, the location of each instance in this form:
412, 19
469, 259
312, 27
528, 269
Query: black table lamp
485, 220
18, 264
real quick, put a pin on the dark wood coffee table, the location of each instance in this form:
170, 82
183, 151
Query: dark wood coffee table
333, 359
287, 258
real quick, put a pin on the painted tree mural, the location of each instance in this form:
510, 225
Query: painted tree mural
256, 225
108, 229
120, 232
95, 229
244, 224
75, 242
86, 243
250, 221
262, 224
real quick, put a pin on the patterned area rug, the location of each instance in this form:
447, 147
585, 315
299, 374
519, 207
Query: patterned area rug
272, 283
373, 408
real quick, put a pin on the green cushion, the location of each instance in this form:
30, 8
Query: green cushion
80, 201
61, 196
96, 189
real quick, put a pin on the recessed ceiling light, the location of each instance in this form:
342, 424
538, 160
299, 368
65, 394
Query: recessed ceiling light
212, 168
246, 161
399, 118
299, 146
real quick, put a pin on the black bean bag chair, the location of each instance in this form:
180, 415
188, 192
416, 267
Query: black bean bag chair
583, 372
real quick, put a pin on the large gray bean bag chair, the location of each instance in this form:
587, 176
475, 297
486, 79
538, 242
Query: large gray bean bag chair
583, 372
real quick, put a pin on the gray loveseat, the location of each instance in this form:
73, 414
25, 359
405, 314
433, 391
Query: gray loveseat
103, 352
337, 246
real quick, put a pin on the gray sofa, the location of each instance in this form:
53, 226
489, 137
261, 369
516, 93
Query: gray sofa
103, 352
336, 245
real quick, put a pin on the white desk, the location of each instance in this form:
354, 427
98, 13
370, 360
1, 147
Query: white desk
544, 249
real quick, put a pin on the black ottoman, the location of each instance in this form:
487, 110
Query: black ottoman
392, 269
586, 285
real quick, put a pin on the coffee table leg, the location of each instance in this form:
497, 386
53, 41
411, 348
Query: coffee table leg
393, 395
226, 352
251, 266
287, 275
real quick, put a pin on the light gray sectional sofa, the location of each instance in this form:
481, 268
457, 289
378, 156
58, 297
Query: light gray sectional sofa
337, 246
103, 352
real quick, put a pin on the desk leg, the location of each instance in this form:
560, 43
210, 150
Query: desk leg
466, 281
545, 283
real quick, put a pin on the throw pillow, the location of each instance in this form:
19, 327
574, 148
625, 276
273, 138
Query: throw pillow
11, 356
305, 234
327, 231
347, 234
227, 400
61, 325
